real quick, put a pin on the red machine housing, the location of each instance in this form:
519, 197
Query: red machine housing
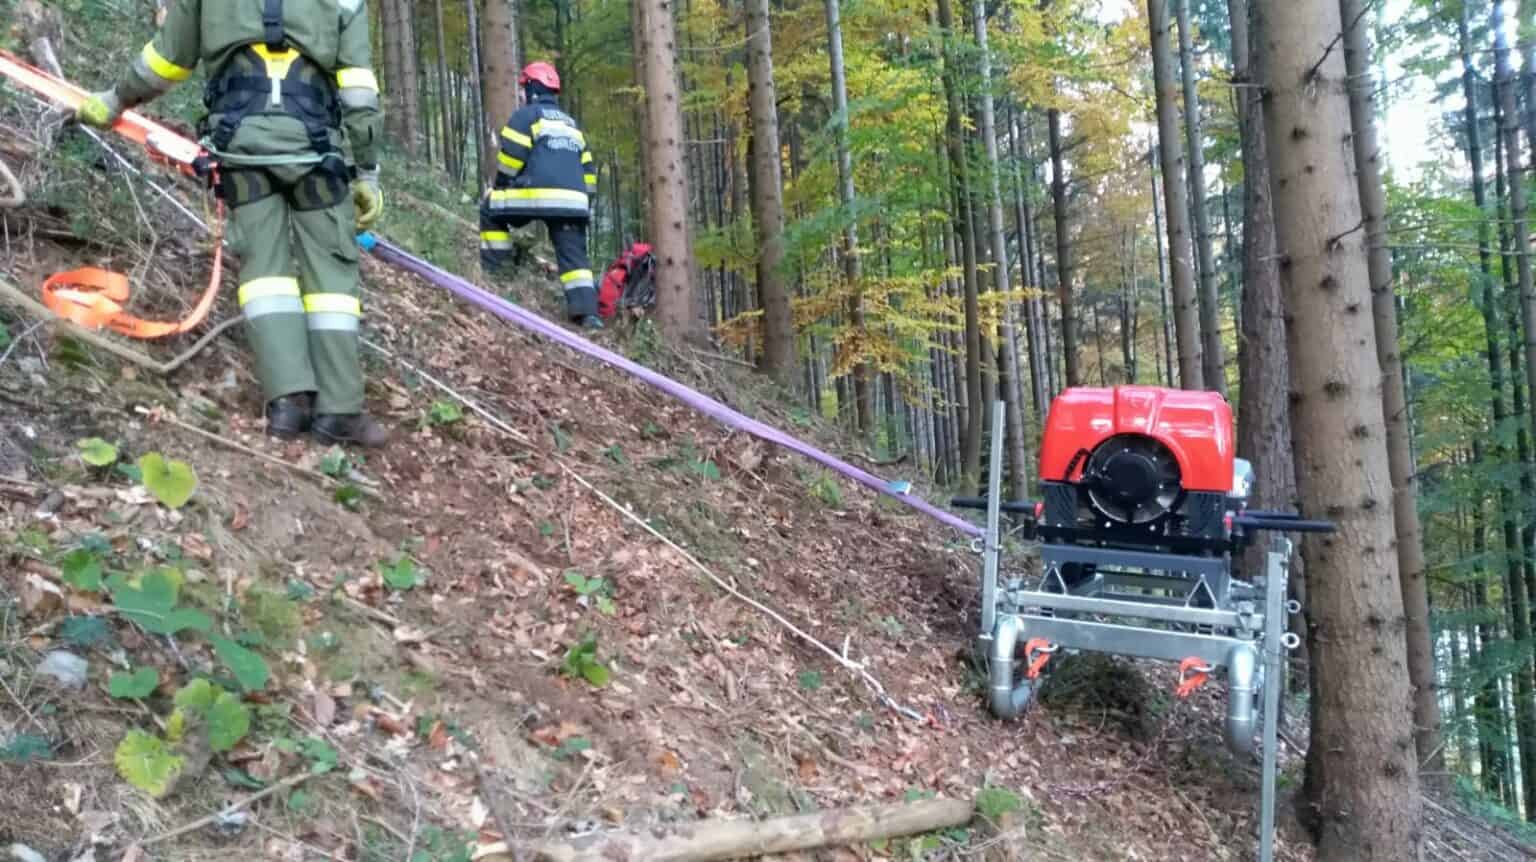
1195, 426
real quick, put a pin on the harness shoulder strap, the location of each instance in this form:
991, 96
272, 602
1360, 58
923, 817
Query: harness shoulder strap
272, 25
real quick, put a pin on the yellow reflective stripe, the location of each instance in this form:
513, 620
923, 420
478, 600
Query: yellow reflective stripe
514, 164
586, 158
539, 194
274, 286
163, 67
574, 274
495, 234
590, 179
357, 77
516, 137
336, 303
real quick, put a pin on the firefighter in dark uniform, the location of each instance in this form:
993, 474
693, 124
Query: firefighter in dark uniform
545, 172
290, 94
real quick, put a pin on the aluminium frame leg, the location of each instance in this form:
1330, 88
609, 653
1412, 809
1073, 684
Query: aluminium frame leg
1276, 574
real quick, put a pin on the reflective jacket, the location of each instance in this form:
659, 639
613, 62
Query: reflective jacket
545, 169
229, 37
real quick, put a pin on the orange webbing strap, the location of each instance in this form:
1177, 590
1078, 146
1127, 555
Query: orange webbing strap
1037, 651
94, 298
163, 144
1193, 672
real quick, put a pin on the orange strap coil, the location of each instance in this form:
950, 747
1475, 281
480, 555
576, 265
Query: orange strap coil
1037, 651
1193, 672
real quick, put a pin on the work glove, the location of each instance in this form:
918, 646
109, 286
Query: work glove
100, 109
367, 198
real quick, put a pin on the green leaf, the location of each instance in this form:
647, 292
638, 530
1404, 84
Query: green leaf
147, 763
994, 802
615, 454
576, 581
96, 451
299, 801
810, 680
350, 497
572, 746
152, 604
240, 778
197, 696
400, 575
707, 469
82, 570
595, 673
228, 722
26, 748
85, 632
250, 669
444, 413
562, 439
139, 683
323, 758
5, 337
606, 606
172, 482
131, 472
334, 463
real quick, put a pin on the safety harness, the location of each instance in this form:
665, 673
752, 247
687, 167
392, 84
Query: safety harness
271, 76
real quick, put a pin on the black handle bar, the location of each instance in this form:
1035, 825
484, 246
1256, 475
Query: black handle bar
1287, 521
1021, 507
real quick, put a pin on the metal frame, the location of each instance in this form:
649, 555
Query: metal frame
1189, 607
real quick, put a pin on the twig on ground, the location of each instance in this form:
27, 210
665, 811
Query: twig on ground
502, 824
22, 706
163, 416
483, 413
856, 668
16, 196
290, 781
23, 336
570, 799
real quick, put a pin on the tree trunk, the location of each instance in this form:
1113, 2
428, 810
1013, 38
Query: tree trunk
778, 357
1166, 320
851, 263
678, 309
1026, 269
1064, 286
1410, 543
1127, 303
408, 85
1176, 199
1510, 129
1211, 354
483, 131
445, 101
970, 454
499, 51
1368, 803
1017, 459
1490, 734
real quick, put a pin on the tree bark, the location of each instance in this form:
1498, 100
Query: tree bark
778, 357
970, 452
481, 125
1211, 354
1369, 804
445, 100
1064, 286
499, 51
678, 309
1025, 221
1405, 509
852, 265
1017, 459
1510, 129
1166, 321
1176, 201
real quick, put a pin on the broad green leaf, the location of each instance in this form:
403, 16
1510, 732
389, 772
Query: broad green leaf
595, 673
400, 575
176, 726
577, 582
197, 696
172, 482
228, 722
323, 758
349, 496
96, 451
85, 632
147, 763
444, 413
139, 683
994, 802
25, 748
250, 669
606, 606
335, 463
82, 570
241, 778
152, 603
187, 618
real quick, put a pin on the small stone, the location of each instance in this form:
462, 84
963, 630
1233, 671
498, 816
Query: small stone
68, 669
26, 854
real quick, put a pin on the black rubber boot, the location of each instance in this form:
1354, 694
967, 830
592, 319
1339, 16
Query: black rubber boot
358, 428
288, 416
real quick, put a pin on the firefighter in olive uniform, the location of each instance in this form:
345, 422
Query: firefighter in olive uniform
545, 172
290, 92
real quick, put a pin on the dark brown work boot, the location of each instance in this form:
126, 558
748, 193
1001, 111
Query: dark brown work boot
358, 428
288, 416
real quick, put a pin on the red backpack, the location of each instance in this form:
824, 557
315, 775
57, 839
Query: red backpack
629, 282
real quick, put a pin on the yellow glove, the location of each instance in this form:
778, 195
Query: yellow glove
100, 109
367, 198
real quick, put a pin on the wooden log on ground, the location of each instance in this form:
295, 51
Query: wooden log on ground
735, 839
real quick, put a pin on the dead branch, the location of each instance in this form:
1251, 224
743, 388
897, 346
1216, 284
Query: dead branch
290, 781
734, 839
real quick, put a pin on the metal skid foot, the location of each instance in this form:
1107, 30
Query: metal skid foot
1005, 698
1245, 684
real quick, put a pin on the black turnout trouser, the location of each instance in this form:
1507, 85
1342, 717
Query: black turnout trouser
569, 236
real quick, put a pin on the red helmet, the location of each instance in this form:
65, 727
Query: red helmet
542, 72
